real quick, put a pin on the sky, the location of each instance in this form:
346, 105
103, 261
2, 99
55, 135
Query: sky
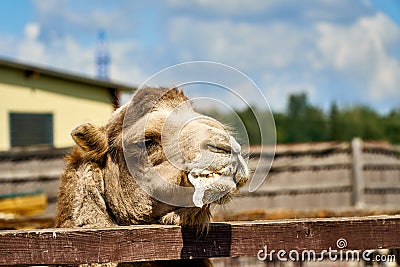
341, 51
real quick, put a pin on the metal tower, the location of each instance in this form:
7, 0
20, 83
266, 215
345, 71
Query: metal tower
103, 58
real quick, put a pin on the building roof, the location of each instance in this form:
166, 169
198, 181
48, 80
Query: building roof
62, 75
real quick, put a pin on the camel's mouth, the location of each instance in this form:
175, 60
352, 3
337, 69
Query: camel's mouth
212, 186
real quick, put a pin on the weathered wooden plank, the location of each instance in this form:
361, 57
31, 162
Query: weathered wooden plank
137, 243
358, 179
300, 190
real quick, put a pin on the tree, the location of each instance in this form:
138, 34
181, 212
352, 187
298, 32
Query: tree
360, 121
334, 123
296, 109
250, 122
392, 126
304, 123
281, 125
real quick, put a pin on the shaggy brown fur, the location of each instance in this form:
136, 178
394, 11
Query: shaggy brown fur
97, 189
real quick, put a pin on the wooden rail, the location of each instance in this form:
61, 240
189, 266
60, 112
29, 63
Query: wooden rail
157, 242
337, 174
325, 176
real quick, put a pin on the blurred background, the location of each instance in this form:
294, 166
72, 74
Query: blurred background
330, 71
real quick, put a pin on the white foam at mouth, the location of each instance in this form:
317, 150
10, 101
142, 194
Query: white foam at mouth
198, 196
198, 191
200, 185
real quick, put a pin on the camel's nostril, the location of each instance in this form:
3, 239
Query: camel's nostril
235, 146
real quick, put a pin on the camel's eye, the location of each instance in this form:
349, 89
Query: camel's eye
217, 149
148, 143
140, 145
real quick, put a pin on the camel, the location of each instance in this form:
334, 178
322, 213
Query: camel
158, 133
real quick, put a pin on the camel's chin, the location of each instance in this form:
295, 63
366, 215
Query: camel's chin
226, 198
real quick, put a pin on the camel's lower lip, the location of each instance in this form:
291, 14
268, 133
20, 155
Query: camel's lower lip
210, 189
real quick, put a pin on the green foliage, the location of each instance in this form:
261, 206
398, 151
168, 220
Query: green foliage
392, 126
303, 122
252, 126
360, 121
335, 132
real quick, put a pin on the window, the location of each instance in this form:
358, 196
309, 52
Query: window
28, 129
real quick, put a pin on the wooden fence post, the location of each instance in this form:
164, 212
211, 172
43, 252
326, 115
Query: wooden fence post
358, 183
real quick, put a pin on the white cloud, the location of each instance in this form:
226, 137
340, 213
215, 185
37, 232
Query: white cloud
275, 55
128, 72
68, 54
296, 57
50, 5
244, 45
277, 90
30, 48
231, 7
61, 17
32, 30
7, 43
68, 38
284, 46
302, 12
361, 53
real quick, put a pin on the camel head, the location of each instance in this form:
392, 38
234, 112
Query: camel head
160, 161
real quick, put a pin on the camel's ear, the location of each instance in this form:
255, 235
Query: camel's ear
91, 139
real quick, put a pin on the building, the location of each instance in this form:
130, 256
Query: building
40, 107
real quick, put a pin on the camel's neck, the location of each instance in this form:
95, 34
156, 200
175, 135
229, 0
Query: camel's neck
80, 199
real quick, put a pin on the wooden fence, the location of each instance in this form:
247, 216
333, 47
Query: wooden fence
333, 175
32, 171
151, 242
307, 176
327, 175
